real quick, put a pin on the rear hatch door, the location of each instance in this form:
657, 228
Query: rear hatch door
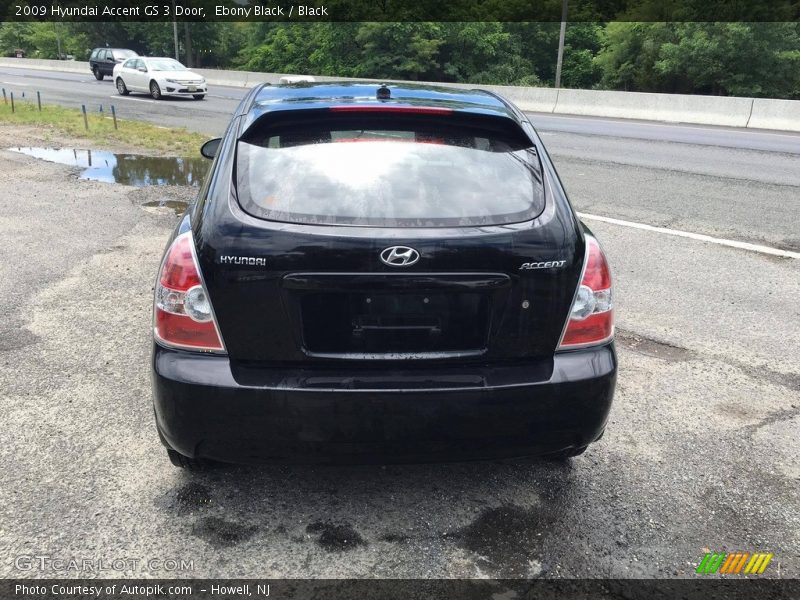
381, 235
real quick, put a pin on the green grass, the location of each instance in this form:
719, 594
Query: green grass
56, 120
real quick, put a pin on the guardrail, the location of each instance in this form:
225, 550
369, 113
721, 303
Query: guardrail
761, 113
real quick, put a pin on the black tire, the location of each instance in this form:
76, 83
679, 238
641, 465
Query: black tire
122, 89
97, 74
184, 462
566, 453
198, 96
155, 91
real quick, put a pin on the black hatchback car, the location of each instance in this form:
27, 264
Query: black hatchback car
377, 273
103, 60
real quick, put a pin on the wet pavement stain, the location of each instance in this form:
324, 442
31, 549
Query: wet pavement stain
128, 169
781, 415
651, 347
395, 538
221, 533
510, 538
790, 381
193, 495
186, 499
336, 537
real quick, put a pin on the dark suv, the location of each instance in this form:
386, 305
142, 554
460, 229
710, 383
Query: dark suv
377, 274
102, 60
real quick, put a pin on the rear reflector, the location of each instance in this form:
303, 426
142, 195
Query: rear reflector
591, 320
391, 108
183, 314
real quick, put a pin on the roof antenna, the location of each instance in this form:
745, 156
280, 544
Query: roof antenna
384, 93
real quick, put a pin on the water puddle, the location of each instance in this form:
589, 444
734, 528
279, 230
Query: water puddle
176, 205
127, 169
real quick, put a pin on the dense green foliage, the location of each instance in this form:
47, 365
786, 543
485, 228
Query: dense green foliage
745, 59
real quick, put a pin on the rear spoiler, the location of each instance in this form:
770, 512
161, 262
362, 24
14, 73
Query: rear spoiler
400, 116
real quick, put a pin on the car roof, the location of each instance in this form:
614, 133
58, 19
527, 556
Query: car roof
318, 95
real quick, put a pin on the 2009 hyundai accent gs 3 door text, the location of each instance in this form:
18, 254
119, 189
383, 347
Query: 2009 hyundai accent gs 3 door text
380, 273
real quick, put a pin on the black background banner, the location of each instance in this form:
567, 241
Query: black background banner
398, 10
701, 588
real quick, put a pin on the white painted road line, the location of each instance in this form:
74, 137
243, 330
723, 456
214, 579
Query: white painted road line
694, 236
134, 99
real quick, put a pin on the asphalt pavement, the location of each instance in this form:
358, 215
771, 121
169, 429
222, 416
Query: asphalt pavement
700, 453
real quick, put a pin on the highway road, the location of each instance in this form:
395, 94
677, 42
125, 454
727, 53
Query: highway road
696, 178
700, 454
74, 89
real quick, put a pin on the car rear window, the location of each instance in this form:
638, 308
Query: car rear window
389, 171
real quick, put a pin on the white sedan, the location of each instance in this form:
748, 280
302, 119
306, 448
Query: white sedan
158, 77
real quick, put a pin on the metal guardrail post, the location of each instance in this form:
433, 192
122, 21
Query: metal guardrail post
12, 102
85, 119
5, 100
114, 116
39, 100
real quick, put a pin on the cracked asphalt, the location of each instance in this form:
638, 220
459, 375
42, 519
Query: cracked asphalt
700, 453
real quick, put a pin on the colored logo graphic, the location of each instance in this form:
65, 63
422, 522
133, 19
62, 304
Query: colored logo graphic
734, 562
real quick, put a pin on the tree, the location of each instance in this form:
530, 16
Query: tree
400, 50
13, 36
582, 43
285, 48
470, 50
628, 53
745, 59
740, 59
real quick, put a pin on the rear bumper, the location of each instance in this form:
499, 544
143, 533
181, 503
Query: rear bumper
206, 409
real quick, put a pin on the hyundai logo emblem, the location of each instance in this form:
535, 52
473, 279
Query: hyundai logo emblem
399, 256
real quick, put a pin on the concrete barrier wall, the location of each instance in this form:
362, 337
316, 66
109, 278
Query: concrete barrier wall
246, 79
70, 66
526, 98
678, 108
775, 114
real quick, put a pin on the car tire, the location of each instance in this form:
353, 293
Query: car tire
184, 462
97, 74
198, 96
155, 90
567, 453
122, 89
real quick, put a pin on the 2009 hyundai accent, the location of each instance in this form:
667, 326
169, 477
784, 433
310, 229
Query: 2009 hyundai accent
376, 273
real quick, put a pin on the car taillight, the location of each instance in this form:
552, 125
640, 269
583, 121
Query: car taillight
591, 320
183, 314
